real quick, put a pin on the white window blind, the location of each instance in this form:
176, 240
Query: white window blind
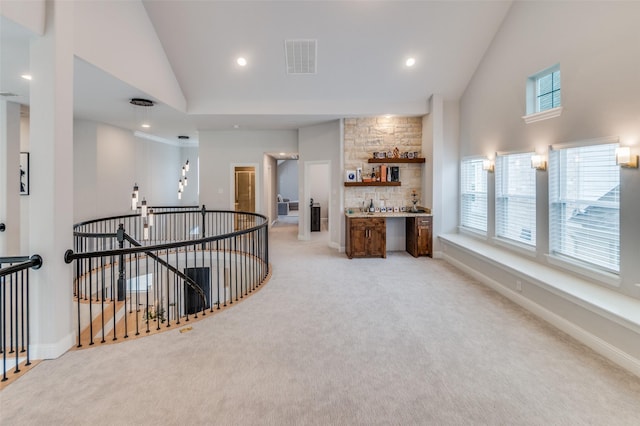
548, 91
473, 192
516, 198
584, 205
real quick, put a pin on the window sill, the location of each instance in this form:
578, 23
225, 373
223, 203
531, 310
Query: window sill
476, 233
515, 246
598, 298
544, 115
607, 278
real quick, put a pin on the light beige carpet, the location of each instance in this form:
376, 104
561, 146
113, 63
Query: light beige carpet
336, 341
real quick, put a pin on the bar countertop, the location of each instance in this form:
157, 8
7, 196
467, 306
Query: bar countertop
357, 214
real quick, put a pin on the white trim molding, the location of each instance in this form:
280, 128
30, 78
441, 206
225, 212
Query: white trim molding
544, 115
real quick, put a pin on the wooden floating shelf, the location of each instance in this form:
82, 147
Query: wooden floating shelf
372, 184
396, 160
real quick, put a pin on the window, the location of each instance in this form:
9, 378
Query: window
548, 90
473, 192
516, 198
544, 100
584, 205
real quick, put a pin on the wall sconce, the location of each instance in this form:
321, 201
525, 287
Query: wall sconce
538, 162
488, 165
625, 159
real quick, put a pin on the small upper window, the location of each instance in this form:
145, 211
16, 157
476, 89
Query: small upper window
543, 94
547, 90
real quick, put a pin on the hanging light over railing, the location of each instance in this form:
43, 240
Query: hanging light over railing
143, 208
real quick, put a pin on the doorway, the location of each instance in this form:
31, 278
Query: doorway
317, 186
245, 188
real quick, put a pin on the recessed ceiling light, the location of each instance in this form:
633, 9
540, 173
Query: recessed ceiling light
236, 126
145, 125
26, 76
388, 116
241, 61
283, 153
410, 62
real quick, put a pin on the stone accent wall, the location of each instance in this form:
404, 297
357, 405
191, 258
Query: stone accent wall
364, 136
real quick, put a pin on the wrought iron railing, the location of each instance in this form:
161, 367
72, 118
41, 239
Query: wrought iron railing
14, 311
130, 281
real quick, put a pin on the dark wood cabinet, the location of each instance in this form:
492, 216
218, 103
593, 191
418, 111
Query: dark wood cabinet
366, 237
315, 217
418, 235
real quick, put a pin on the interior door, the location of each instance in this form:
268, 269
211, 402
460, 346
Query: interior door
245, 189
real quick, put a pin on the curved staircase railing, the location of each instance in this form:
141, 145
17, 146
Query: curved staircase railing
14, 311
129, 280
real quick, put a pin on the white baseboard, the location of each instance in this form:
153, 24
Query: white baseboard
600, 346
53, 350
334, 245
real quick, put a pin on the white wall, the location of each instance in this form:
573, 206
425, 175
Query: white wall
219, 150
323, 143
440, 136
600, 88
25, 134
126, 46
288, 179
30, 14
596, 45
319, 187
190, 196
10, 178
109, 160
271, 184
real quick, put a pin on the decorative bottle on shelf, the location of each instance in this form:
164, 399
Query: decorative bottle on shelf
371, 208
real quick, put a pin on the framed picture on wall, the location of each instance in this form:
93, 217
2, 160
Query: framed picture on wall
24, 173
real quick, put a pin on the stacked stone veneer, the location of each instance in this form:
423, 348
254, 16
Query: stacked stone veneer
364, 136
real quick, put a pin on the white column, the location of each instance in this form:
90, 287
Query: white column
438, 185
51, 198
10, 178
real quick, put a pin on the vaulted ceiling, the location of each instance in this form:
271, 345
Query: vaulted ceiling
362, 47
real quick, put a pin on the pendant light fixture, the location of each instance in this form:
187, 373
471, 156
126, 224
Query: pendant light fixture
150, 217
184, 180
143, 208
142, 112
135, 191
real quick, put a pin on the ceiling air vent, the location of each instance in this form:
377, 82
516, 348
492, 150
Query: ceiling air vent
7, 94
301, 56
